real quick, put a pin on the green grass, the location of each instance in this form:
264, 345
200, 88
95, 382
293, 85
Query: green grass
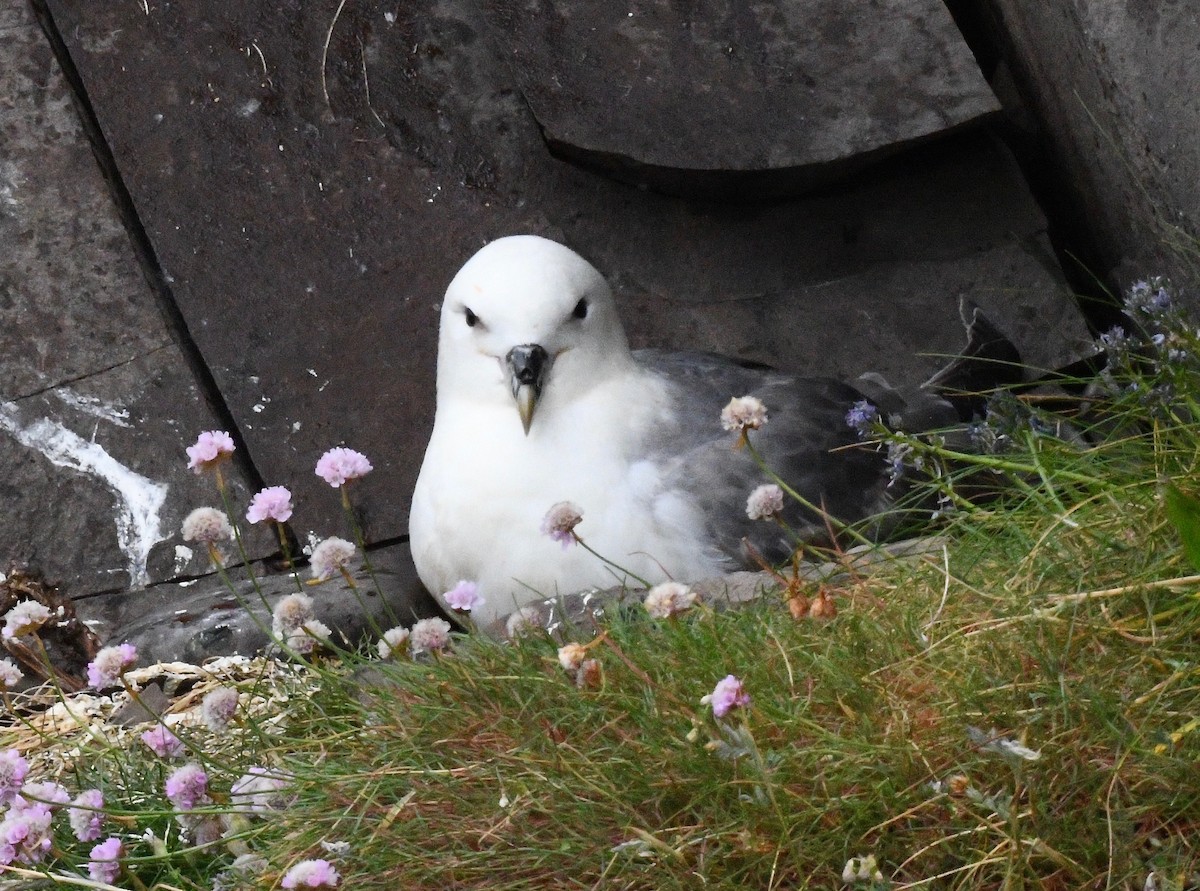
1060, 621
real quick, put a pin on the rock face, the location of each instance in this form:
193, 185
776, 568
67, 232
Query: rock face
739, 100
1112, 93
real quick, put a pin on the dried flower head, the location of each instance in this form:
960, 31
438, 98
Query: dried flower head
212, 447
162, 742
726, 696
187, 787
394, 643
272, 503
571, 656
86, 814
110, 663
464, 597
589, 675
13, 769
822, 606
429, 636
743, 413
311, 874
10, 675
25, 618
560, 522
105, 863
290, 613
218, 708
669, 599
765, 502
206, 524
341, 465
330, 557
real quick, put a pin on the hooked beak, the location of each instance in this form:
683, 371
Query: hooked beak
528, 365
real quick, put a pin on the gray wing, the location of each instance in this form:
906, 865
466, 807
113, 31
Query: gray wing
806, 441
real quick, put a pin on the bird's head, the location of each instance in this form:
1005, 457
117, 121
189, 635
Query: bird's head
526, 318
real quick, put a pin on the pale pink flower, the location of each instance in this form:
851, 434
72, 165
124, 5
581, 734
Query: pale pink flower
261, 790
211, 447
25, 618
726, 696
429, 635
560, 522
341, 465
669, 599
85, 814
187, 787
42, 793
110, 663
218, 708
526, 620
330, 557
743, 413
163, 742
13, 769
25, 835
571, 656
309, 636
290, 613
464, 596
10, 675
311, 874
393, 643
765, 502
206, 524
105, 863
272, 503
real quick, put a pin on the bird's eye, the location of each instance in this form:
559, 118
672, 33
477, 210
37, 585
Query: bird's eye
580, 311
472, 319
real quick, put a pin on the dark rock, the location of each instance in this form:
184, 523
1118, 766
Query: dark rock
1108, 96
96, 401
191, 621
737, 100
312, 181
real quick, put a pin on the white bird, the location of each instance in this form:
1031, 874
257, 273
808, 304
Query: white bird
540, 401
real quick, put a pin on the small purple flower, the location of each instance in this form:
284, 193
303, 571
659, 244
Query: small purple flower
862, 417
187, 787
1152, 298
105, 863
85, 814
311, 874
464, 596
341, 465
110, 663
726, 696
560, 522
330, 557
765, 502
13, 769
163, 742
272, 503
212, 446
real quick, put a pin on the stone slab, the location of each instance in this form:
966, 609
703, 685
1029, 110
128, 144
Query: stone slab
96, 401
738, 99
311, 178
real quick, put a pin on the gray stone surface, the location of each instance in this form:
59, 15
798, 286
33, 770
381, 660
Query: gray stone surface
1115, 93
190, 621
311, 179
737, 99
96, 401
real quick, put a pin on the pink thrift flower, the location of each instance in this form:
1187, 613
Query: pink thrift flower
10, 675
330, 557
394, 643
12, 774
45, 794
726, 696
25, 835
218, 708
85, 814
290, 613
560, 522
669, 599
211, 447
765, 502
110, 663
429, 635
163, 742
261, 790
187, 787
25, 618
571, 656
206, 524
743, 413
340, 465
272, 503
464, 596
105, 863
311, 874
